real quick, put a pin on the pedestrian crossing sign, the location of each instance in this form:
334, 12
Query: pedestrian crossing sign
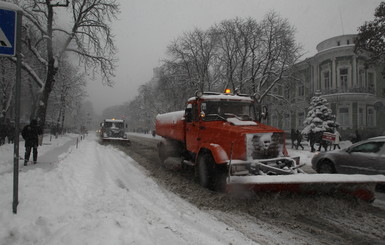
7, 32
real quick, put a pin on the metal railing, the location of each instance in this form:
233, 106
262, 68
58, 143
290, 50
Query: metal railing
369, 90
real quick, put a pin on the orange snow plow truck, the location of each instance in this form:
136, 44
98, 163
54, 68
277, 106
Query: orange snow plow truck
221, 137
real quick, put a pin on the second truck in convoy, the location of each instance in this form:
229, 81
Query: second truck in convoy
114, 130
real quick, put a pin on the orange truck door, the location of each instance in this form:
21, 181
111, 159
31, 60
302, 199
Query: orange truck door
192, 130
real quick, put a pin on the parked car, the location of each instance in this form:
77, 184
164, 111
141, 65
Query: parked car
364, 157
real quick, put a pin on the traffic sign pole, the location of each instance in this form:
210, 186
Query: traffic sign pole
10, 44
17, 114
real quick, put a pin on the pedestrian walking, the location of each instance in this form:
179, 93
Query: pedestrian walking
3, 133
322, 143
31, 135
299, 140
337, 139
9, 131
293, 138
311, 137
358, 137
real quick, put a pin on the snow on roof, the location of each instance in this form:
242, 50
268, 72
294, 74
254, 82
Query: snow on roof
113, 120
171, 117
222, 97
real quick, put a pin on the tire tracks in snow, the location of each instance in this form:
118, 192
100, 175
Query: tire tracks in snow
299, 219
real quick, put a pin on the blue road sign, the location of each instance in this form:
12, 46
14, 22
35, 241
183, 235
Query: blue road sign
7, 32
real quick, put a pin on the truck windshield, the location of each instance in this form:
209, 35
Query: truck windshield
113, 125
221, 110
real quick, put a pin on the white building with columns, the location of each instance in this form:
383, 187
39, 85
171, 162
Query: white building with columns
355, 92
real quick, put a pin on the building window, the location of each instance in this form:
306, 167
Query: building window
348, 42
326, 78
286, 121
301, 118
371, 117
301, 90
338, 43
371, 81
344, 79
343, 116
361, 79
361, 122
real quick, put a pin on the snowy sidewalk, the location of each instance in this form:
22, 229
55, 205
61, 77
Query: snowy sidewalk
48, 153
99, 195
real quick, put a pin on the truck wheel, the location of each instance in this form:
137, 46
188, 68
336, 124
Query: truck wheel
211, 175
204, 174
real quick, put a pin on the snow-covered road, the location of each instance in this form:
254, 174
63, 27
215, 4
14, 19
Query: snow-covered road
95, 194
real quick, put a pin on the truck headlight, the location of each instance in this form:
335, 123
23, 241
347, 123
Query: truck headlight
239, 169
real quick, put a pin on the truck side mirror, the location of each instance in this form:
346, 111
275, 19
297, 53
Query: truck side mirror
188, 114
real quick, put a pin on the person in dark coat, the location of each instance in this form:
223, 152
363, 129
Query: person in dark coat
299, 139
293, 138
3, 133
312, 140
357, 138
11, 134
31, 134
322, 143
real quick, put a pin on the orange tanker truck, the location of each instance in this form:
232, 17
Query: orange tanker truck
221, 136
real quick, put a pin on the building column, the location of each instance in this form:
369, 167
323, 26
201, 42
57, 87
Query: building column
334, 75
355, 115
354, 71
316, 77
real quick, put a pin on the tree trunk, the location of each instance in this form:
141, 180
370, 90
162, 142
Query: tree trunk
43, 101
51, 72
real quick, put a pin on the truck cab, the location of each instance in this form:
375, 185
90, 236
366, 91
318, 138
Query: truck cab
226, 124
113, 130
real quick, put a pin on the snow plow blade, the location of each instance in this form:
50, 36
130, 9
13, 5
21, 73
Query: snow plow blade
359, 186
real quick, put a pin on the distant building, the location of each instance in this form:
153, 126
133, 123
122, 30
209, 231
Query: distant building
356, 93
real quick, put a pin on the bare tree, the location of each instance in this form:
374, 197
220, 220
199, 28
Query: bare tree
231, 51
7, 83
274, 56
193, 52
243, 54
88, 36
69, 91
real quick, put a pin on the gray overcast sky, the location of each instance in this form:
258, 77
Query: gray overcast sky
146, 27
